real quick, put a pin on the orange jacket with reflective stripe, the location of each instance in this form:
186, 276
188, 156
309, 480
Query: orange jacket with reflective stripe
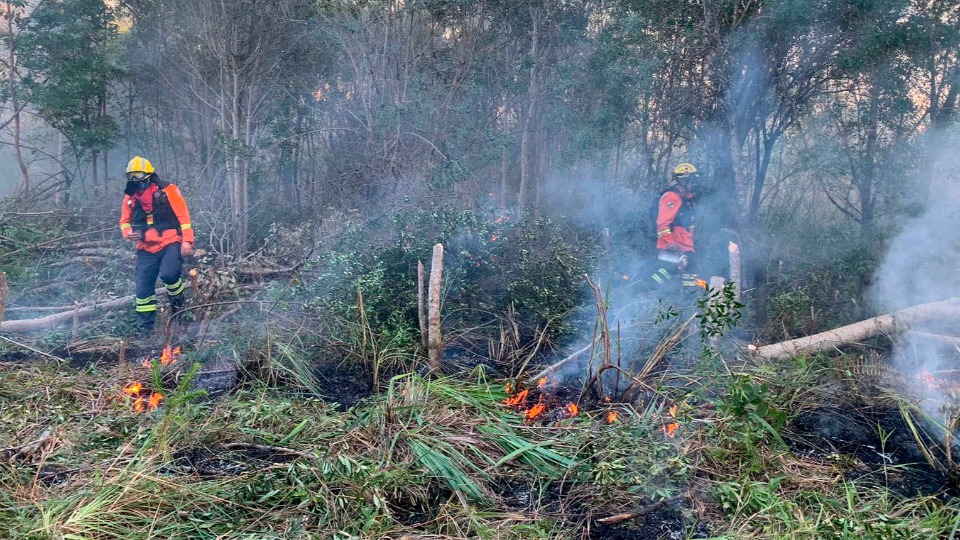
675, 228
153, 240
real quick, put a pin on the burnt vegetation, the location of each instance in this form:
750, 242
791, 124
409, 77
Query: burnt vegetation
324, 380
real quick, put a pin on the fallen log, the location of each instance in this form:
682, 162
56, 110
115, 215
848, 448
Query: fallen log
56, 319
886, 324
952, 340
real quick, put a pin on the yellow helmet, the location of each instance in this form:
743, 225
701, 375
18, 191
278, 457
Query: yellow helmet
684, 169
139, 165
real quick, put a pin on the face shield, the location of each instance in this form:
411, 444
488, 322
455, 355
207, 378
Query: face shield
137, 182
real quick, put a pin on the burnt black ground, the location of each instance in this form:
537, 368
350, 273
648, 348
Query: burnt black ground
896, 462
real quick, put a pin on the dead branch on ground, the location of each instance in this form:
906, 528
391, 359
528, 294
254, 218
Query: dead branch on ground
886, 324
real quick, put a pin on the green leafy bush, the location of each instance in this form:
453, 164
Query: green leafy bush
491, 262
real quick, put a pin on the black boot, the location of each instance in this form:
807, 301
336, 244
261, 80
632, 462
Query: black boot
176, 304
145, 321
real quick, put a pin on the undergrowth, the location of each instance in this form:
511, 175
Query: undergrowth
438, 457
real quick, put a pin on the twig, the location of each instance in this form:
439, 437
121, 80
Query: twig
4, 291
639, 512
55, 240
29, 348
76, 323
553, 367
30, 448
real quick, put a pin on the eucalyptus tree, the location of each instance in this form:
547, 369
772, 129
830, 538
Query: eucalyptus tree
65, 53
226, 70
874, 121
936, 53
13, 23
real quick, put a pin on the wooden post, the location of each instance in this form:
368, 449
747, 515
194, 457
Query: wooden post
435, 339
735, 272
123, 357
4, 291
194, 281
76, 322
422, 304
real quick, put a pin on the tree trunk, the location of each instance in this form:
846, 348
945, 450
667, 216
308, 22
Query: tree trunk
15, 103
527, 142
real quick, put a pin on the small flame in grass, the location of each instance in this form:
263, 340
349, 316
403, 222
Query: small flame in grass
671, 429
702, 283
141, 398
928, 379
154, 401
536, 410
167, 356
517, 399
520, 401
132, 389
611, 417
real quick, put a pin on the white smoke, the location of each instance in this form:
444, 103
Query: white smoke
922, 265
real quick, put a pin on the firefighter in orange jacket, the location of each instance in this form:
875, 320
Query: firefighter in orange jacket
155, 216
675, 226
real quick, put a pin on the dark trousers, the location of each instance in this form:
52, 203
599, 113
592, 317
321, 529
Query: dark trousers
166, 264
675, 287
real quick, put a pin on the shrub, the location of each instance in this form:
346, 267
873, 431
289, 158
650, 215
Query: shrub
491, 262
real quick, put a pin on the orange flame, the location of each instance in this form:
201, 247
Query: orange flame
155, 399
541, 382
572, 410
536, 410
671, 429
168, 356
701, 283
132, 389
517, 399
928, 379
611, 417
138, 404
